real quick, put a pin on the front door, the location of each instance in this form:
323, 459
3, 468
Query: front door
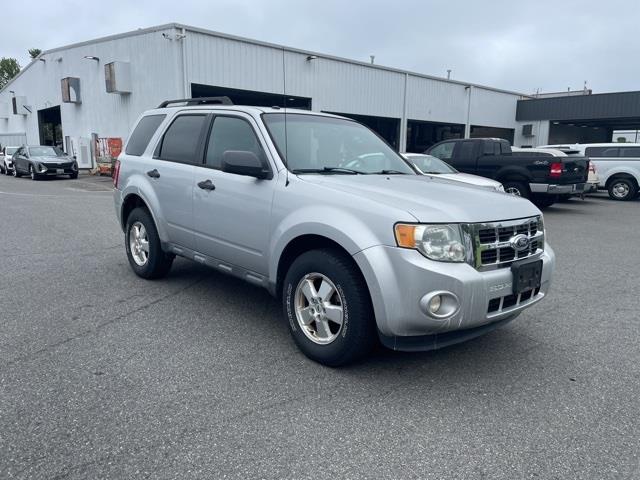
232, 213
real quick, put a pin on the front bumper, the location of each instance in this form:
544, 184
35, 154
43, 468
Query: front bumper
553, 189
398, 279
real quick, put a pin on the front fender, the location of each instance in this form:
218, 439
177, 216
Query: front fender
345, 228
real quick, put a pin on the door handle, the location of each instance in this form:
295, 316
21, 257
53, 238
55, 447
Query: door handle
154, 173
207, 185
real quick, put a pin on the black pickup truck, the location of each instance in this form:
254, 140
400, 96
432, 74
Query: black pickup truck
540, 179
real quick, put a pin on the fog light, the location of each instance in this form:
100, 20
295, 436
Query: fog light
440, 305
434, 304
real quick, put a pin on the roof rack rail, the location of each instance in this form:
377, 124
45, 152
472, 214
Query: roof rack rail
198, 101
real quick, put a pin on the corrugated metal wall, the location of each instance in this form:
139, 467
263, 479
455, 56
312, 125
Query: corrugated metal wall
213, 59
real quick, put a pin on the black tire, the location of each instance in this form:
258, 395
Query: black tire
158, 262
16, 173
33, 174
622, 189
544, 201
565, 197
516, 188
73, 176
358, 334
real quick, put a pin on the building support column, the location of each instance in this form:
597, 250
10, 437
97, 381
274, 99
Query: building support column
467, 125
402, 144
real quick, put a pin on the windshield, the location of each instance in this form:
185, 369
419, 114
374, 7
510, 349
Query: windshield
11, 150
45, 151
430, 165
317, 144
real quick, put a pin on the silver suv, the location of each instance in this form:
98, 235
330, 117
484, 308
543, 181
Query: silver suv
325, 215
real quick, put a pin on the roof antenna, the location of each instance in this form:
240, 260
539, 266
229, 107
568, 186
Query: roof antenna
284, 105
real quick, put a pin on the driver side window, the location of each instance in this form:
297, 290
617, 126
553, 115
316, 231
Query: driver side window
444, 151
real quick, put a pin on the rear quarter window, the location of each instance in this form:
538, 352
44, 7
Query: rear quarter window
142, 134
601, 152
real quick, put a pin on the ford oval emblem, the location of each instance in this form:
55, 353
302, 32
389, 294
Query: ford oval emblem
519, 242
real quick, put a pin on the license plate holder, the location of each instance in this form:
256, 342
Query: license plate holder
526, 276
60, 171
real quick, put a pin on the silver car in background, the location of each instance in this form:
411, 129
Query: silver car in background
435, 168
6, 163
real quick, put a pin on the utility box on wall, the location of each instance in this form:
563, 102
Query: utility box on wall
20, 106
70, 90
117, 76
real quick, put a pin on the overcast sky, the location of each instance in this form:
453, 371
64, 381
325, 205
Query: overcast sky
515, 45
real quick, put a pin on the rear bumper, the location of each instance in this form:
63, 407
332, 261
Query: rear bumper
553, 189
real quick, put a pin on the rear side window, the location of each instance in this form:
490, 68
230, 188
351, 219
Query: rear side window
630, 151
601, 152
143, 132
231, 133
181, 141
464, 150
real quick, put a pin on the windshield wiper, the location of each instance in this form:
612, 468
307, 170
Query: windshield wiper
388, 172
327, 170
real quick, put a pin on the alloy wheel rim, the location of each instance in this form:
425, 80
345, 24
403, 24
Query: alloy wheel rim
319, 308
139, 243
621, 190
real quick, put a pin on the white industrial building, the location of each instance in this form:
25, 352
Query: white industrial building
75, 95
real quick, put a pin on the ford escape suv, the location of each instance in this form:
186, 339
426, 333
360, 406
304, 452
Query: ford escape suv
325, 215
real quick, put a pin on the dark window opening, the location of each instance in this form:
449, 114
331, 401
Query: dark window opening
422, 135
231, 133
50, 127
250, 97
492, 132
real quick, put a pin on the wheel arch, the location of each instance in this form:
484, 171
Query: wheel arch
618, 175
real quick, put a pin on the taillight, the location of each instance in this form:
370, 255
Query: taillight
116, 173
592, 167
555, 170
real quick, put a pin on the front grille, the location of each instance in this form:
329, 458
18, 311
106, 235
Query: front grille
500, 304
493, 242
54, 166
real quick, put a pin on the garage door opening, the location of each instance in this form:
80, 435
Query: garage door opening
492, 132
421, 135
250, 97
50, 126
387, 127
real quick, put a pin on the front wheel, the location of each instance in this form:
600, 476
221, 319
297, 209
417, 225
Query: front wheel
142, 243
328, 308
33, 174
16, 174
73, 176
622, 189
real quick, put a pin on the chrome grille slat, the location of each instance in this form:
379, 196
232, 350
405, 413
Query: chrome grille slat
499, 253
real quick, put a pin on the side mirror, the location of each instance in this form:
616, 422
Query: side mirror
242, 162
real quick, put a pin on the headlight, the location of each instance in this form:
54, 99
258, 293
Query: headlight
41, 167
436, 242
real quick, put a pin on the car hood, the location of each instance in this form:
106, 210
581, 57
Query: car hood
428, 200
467, 179
51, 159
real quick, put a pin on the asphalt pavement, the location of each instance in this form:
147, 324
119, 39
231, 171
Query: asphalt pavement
105, 375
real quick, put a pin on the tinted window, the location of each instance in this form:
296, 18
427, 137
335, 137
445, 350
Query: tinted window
444, 151
143, 132
181, 140
231, 134
464, 150
601, 152
630, 151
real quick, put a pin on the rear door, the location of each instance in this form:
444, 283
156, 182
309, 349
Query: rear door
170, 172
232, 218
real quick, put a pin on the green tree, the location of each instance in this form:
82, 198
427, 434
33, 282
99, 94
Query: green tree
9, 68
34, 52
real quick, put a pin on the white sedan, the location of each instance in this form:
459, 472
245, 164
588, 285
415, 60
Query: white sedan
434, 167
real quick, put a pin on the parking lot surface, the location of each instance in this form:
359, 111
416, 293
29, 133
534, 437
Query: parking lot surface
105, 375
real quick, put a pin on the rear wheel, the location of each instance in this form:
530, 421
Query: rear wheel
328, 308
544, 201
622, 189
144, 251
519, 189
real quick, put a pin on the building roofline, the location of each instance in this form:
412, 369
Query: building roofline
142, 31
